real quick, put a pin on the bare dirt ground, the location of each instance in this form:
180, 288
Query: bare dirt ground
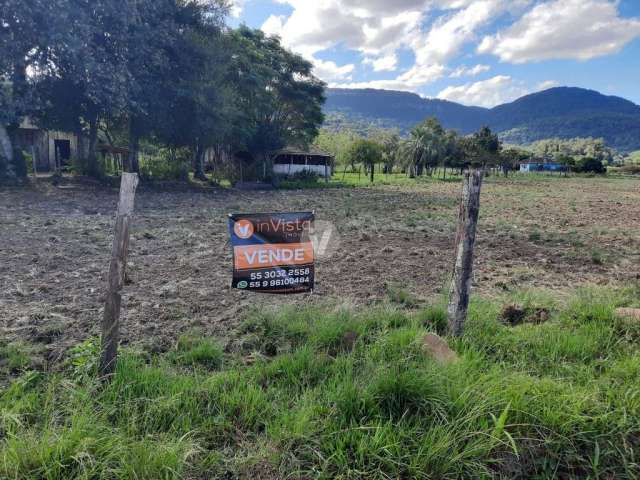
55, 244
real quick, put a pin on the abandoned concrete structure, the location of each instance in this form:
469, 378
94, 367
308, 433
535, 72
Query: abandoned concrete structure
52, 150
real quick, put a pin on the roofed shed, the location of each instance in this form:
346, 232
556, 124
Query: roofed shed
291, 160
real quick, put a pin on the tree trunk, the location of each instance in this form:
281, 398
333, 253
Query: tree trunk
6, 152
82, 153
198, 167
92, 158
373, 169
133, 164
460, 289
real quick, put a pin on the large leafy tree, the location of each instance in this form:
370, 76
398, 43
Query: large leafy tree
481, 149
368, 152
202, 113
26, 33
510, 158
91, 81
278, 98
389, 141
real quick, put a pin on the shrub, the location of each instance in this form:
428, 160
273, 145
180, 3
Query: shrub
192, 351
165, 164
305, 176
435, 318
19, 166
590, 165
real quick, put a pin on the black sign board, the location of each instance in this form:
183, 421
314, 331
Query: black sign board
272, 252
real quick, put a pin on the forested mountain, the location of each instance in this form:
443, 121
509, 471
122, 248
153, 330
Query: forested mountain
563, 112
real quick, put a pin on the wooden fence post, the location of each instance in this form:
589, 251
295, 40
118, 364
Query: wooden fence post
460, 289
111, 318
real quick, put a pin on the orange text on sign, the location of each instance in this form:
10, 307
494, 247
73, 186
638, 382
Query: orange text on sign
272, 255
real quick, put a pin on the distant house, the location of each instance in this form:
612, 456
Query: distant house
52, 149
291, 160
541, 167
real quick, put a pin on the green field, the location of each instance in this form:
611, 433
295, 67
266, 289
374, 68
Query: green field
213, 383
332, 392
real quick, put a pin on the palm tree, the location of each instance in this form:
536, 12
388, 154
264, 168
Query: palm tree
425, 146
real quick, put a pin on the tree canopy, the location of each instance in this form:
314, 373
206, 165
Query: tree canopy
166, 72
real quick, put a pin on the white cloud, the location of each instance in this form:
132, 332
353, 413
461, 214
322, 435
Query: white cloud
330, 71
379, 28
464, 71
564, 29
437, 31
547, 84
486, 93
409, 81
387, 63
450, 33
274, 25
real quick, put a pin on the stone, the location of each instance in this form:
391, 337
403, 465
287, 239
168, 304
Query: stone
437, 348
629, 313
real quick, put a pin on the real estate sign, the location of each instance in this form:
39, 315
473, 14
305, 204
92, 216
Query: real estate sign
272, 252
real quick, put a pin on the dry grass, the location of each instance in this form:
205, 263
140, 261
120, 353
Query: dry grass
553, 233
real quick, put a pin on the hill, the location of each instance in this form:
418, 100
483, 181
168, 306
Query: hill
563, 112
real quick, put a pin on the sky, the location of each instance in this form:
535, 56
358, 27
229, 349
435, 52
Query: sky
475, 52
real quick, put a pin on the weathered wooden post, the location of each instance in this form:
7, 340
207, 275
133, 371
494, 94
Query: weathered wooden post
460, 289
111, 317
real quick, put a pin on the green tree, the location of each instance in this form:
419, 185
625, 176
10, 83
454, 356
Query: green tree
590, 165
90, 80
510, 158
336, 143
278, 98
389, 141
425, 147
482, 149
201, 112
367, 152
26, 32
452, 154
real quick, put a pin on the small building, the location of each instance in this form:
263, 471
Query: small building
52, 149
541, 167
291, 160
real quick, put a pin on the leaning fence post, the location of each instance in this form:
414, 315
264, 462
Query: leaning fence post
460, 289
111, 317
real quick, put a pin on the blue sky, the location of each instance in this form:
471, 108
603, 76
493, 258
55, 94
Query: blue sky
476, 52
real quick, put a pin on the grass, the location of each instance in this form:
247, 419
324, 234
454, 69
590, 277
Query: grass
341, 179
14, 357
337, 393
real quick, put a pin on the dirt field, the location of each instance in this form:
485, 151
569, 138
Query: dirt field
55, 243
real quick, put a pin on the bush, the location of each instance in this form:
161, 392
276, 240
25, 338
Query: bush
166, 164
305, 176
590, 165
19, 166
20, 163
